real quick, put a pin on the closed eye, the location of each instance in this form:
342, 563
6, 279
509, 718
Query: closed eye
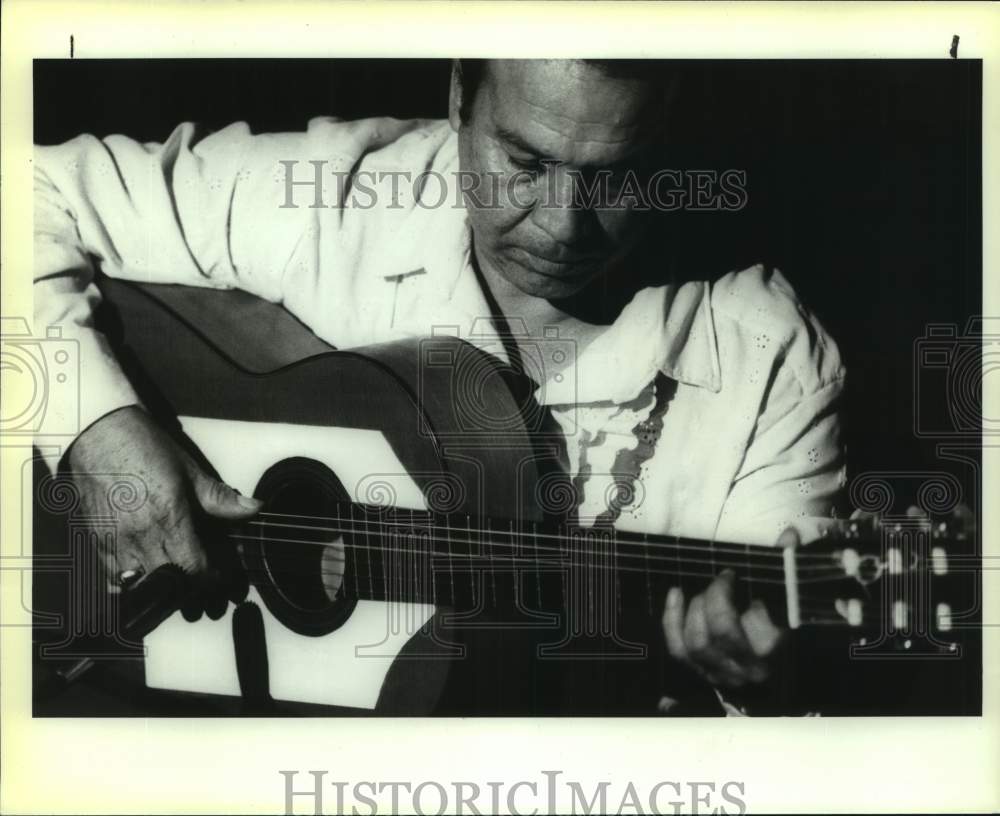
527, 164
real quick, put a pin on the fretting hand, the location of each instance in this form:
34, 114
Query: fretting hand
728, 648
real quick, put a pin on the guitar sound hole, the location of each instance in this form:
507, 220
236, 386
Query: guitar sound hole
298, 561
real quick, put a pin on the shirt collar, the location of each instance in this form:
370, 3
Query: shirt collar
668, 328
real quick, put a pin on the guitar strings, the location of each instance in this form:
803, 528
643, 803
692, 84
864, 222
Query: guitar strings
741, 565
408, 523
807, 574
744, 558
740, 550
716, 565
744, 552
496, 544
480, 570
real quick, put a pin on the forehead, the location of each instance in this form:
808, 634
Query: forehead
572, 111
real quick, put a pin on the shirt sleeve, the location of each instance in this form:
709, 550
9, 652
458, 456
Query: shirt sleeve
152, 212
199, 209
794, 470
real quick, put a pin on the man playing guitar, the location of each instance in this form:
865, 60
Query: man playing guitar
719, 399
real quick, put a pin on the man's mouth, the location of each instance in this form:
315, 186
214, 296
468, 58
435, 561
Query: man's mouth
566, 266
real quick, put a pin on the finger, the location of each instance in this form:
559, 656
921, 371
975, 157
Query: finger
207, 585
724, 627
673, 623
696, 634
236, 583
729, 660
175, 533
763, 637
191, 607
214, 593
180, 541
220, 500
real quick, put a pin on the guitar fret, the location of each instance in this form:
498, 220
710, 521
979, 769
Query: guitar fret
493, 576
368, 554
451, 569
414, 568
429, 571
562, 577
353, 561
538, 571
472, 572
612, 564
384, 553
649, 577
677, 566
590, 577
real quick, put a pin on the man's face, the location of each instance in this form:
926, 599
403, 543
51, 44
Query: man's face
540, 132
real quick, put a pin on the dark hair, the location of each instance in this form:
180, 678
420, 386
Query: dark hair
662, 72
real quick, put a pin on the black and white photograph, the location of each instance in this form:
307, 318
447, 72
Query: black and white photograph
572, 389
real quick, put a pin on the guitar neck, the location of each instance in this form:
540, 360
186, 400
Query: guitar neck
457, 561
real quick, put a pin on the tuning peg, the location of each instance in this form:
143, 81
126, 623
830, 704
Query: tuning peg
964, 521
861, 525
850, 610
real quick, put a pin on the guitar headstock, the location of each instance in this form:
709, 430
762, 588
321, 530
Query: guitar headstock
905, 584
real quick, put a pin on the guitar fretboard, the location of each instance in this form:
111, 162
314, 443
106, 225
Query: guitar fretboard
457, 561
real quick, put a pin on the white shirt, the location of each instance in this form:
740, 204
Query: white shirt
750, 442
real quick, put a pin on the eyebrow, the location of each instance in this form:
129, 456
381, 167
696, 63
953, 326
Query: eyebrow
515, 140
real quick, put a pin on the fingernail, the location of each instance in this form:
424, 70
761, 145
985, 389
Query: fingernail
674, 597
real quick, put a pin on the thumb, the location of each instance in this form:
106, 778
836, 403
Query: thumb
220, 500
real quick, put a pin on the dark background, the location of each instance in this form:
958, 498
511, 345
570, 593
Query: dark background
864, 184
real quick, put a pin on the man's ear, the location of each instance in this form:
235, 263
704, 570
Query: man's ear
455, 96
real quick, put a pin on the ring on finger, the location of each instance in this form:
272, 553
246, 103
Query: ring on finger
127, 578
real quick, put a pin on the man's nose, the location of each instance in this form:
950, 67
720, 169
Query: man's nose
560, 211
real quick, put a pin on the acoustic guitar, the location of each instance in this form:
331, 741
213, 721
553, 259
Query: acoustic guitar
418, 537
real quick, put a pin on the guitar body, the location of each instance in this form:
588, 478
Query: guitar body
426, 425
